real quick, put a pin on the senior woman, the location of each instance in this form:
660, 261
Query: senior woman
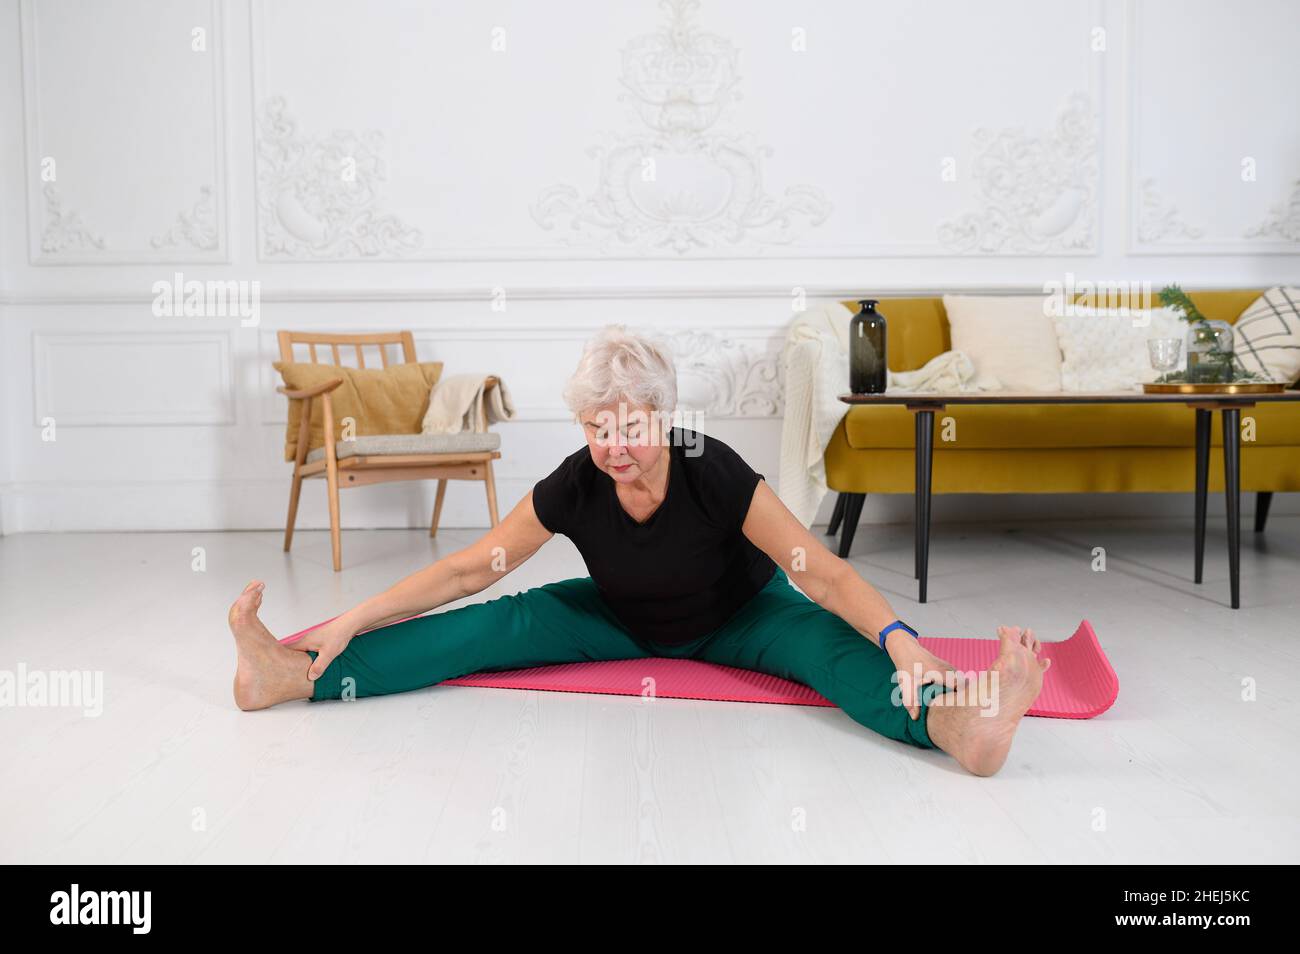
691, 555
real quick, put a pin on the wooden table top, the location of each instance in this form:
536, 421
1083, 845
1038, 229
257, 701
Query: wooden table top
1065, 397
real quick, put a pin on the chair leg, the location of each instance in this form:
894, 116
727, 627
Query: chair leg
437, 506
294, 492
491, 491
300, 458
332, 488
1262, 500
852, 512
836, 516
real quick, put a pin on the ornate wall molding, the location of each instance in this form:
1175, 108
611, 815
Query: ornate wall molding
1154, 226
684, 182
1282, 221
723, 378
1160, 221
679, 85
64, 239
196, 228
1039, 192
318, 197
64, 229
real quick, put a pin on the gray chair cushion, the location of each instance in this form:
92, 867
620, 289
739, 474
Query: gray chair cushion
381, 444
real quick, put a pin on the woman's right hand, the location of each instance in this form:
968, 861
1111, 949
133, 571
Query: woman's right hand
915, 666
327, 640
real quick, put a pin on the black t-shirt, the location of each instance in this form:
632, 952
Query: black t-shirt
688, 568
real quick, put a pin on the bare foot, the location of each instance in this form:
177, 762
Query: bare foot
964, 729
266, 672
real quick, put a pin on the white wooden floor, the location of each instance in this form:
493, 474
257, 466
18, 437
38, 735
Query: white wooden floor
1181, 769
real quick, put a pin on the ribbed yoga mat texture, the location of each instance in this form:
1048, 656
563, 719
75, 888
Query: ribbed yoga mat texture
1079, 684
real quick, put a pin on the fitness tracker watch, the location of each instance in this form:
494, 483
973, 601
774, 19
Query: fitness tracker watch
896, 624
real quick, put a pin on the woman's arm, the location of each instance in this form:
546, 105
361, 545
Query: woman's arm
835, 585
460, 574
825, 578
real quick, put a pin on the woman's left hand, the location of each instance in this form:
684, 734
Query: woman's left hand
916, 667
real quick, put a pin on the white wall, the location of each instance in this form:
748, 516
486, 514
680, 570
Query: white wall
839, 150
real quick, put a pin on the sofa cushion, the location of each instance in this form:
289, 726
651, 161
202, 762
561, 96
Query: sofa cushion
390, 444
1105, 349
1009, 337
381, 401
1267, 338
1011, 426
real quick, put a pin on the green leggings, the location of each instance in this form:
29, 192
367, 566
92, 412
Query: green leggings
780, 632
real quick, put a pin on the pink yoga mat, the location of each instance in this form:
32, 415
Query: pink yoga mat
1079, 685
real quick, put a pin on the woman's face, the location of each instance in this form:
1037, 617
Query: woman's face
626, 440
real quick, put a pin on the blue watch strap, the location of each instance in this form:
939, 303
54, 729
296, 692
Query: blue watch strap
896, 624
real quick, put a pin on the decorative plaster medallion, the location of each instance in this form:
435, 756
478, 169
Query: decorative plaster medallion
1282, 221
64, 231
317, 198
196, 228
1039, 192
680, 185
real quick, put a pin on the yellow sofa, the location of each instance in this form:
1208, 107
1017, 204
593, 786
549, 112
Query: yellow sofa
1040, 448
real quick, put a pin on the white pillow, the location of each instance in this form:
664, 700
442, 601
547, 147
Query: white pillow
1009, 337
1105, 349
1266, 338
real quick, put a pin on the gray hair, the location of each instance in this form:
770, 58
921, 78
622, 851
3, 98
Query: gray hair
618, 364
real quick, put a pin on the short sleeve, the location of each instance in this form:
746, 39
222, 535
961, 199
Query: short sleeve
553, 496
729, 485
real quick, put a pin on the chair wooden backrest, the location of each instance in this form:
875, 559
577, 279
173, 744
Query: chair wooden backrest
357, 342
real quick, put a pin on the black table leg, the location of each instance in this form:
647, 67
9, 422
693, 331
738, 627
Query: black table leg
924, 454
1232, 494
1204, 419
916, 504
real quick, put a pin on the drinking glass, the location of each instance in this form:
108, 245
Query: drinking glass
1164, 353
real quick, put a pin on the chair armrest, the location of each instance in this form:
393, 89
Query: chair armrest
309, 392
320, 391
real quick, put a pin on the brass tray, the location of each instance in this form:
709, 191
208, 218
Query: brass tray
1245, 387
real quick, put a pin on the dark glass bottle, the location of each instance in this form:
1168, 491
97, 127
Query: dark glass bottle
868, 357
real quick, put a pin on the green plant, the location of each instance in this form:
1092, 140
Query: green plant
1215, 364
1171, 296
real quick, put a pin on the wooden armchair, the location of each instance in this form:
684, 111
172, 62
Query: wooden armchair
378, 458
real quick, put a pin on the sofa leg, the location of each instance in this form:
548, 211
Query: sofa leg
836, 516
1262, 500
852, 511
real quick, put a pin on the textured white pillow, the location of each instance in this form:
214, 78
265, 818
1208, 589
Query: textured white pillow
1105, 349
1009, 337
1266, 338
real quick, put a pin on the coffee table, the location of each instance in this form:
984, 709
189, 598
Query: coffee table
923, 406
